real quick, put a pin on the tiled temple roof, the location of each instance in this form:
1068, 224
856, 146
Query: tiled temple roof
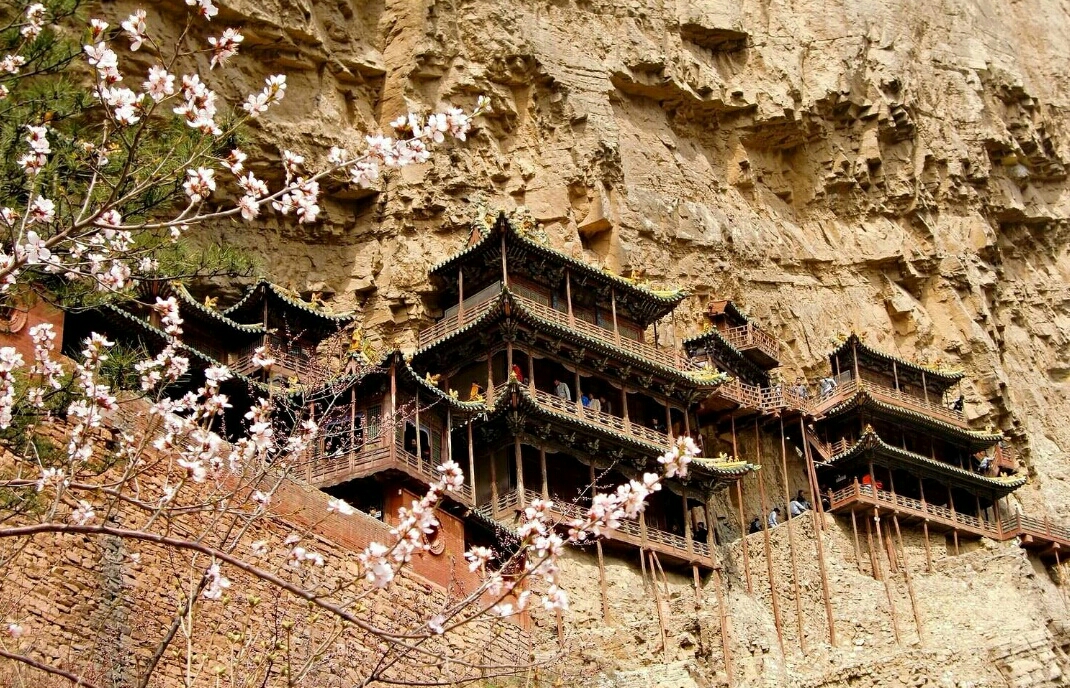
266, 289
945, 376
869, 441
652, 304
863, 399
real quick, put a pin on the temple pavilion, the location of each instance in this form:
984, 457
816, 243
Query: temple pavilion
891, 436
575, 393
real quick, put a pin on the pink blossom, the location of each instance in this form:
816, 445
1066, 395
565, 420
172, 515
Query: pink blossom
159, 83
224, 47
83, 514
15, 630
205, 8
97, 27
134, 27
35, 17
199, 184
12, 63
340, 506
216, 583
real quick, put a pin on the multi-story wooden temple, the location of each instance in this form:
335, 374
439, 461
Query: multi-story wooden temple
890, 435
575, 392
543, 377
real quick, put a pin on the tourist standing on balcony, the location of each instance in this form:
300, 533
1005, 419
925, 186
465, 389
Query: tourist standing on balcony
562, 390
585, 400
603, 403
959, 404
826, 385
701, 533
595, 404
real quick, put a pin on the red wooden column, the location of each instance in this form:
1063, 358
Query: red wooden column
472, 465
613, 305
568, 297
519, 472
460, 295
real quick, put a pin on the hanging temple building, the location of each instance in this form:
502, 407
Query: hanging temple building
544, 376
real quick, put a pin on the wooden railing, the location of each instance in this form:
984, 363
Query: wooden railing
323, 469
602, 419
456, 321
748, 396
933, 512
666, 357
750, 337
302, 365
1020, 524
847, 389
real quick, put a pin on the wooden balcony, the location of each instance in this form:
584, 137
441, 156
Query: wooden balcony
620, 426
631, 531
452, 323
847, 389
325, 470
759, 346
289, 363
669, 358
1036, 534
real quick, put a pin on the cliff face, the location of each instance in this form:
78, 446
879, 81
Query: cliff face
894, 167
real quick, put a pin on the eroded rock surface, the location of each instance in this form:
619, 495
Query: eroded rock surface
895, 167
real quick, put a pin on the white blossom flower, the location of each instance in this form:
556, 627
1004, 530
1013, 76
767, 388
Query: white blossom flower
216, 583
12, 63
340, 506
83, 514
97, 27
134, 27
224, 47
205, 8
199, 184
15, 630
159, 83
35, 21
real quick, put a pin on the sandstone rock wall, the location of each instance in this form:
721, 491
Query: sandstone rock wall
898, 168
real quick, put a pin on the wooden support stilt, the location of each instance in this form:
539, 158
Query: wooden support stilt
661, 618
723, 612
1062, 578
742, 519
472, 464
698, 586
887, 581
910, 581
858, 550
818, 514
765, 536
743, 541
955, 538
642, 564
542, 469
560, 628
664, 578
872, 558
602, 582
929, 552
791, 539
889, 546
